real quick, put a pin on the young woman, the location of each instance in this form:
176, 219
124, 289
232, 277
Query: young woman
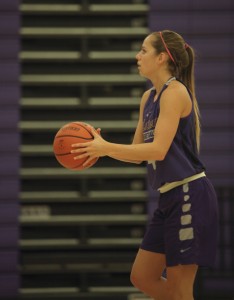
183, 232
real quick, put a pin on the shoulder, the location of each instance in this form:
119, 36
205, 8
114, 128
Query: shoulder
175, 100
176, 96
175, 90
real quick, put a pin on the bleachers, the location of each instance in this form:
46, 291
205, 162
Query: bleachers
80, 230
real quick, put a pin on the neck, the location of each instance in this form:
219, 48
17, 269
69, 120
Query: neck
160, 87
159, 82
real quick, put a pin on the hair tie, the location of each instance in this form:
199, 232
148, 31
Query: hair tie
165, 45
186, 46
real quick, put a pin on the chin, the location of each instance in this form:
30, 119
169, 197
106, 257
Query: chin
143, 75
140, 72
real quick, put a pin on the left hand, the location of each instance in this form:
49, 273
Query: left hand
91, 150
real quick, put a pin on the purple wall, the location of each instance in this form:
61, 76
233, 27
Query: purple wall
9, 147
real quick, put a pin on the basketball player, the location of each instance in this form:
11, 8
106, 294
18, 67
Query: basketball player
183, 232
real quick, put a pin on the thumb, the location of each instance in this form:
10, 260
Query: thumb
94, 132
99, 131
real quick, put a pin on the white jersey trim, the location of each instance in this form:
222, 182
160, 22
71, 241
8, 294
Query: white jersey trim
169, 186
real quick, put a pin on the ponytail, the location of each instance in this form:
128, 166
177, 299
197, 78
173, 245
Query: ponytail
187, 76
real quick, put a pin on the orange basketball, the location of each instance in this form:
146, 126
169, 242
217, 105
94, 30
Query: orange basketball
72, 133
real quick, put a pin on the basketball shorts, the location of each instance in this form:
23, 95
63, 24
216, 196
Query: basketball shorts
184, 227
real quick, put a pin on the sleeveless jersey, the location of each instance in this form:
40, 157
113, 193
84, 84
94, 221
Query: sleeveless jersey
181, 160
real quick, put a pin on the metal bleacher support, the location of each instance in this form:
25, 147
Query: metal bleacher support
80, 230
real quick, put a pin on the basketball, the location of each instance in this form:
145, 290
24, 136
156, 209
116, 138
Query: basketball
72, 133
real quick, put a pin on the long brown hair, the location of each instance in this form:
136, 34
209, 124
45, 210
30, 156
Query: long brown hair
180, 64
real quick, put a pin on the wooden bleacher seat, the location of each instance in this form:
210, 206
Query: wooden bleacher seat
53, 79
38, 32
37, 8
34, 126
36, 173
54, 103
83, 219
75, 55
114, 292
71, 103
92, 196
65, 243
28, 8
50, 55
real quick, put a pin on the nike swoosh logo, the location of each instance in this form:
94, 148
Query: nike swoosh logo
184, 250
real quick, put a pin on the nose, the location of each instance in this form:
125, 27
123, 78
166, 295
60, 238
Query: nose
138, 56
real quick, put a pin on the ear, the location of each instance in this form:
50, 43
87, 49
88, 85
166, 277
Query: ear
162, 57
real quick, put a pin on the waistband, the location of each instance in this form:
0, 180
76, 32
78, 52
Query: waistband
169, 186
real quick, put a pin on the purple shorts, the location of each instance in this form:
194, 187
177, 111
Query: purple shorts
184, 227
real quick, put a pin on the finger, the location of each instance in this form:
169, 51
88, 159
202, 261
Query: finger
84, 155
87, 161
78, 150
81, 145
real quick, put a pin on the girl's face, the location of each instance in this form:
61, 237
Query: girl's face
147, 59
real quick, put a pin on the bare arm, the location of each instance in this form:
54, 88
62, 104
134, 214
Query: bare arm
172, 106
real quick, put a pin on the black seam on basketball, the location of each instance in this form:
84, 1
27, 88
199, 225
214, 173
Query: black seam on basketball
75, 136
83, 128
63, 154
78, 165
67, 153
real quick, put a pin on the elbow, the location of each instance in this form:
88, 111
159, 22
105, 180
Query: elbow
162, 154
158, 151
159, 155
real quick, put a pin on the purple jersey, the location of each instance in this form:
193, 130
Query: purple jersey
182, 159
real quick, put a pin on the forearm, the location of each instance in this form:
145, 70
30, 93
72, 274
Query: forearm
134, 152
127, 161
